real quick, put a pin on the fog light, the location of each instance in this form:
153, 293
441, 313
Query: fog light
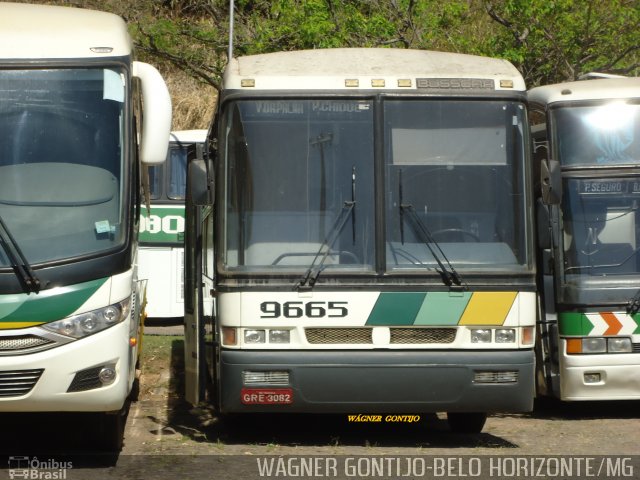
480, 336
619, 345
107, 375
254, 336
592, 377
279, 336
594, 345
505, 335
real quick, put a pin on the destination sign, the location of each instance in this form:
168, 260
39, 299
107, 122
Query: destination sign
609, 187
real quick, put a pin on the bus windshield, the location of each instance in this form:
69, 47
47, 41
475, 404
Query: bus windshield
292, 168
459, 165
600, 225
61, 155
603, 134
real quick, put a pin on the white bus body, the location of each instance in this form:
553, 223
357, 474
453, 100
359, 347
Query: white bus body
161, 255
70, 298
369, 248
586, 138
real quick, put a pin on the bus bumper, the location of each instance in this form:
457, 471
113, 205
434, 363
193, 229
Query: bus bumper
600, 377
59, 368
378, 381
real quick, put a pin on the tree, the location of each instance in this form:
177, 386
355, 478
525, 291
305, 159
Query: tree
558, 40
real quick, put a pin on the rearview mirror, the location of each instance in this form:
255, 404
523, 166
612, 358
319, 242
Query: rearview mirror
198, 179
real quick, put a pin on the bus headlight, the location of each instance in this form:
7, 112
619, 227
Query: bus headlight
85, 324
279, 336
254, 336
594, 345
505, 335
619, 345
481, 335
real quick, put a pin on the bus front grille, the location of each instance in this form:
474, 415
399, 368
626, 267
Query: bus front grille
354, 335
22, 344
412, 335
15, 383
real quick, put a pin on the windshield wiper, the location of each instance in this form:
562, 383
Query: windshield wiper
310, 277
21, 266
449, 275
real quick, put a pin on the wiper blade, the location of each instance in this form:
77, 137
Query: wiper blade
21, 266
449, 275
310, 277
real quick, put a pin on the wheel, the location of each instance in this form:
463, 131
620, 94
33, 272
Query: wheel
110, 431
455, 233
466, 422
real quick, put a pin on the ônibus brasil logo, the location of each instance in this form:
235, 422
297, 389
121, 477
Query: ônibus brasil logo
32, 468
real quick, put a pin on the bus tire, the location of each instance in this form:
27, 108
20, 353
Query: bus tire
466, 422
110, 432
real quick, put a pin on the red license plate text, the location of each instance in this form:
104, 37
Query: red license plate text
266, 396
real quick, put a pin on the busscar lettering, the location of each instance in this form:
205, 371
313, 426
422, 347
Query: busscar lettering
456, 83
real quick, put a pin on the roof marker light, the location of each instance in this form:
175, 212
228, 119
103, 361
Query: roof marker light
101, 49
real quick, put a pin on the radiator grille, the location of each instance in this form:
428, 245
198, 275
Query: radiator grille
422, 335
338, 335
636, 348
21, 343
16, 383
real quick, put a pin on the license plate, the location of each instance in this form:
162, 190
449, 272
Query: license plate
266, 396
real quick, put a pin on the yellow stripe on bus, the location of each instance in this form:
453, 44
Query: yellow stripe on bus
488, 308
11, 325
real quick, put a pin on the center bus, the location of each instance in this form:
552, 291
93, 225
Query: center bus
161, 254
73, 137
586, 138
373, 238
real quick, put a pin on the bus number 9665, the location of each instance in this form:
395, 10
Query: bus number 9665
303, 309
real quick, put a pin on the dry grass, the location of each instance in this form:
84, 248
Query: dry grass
193, 101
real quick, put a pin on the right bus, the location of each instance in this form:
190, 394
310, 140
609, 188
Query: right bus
586, 141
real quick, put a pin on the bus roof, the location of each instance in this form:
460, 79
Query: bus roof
50, 32
586, 90
370, 68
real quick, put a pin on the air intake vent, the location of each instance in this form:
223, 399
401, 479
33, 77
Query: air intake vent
17, 383
508, 376
21, 344
86, 380
338, 335
422, 335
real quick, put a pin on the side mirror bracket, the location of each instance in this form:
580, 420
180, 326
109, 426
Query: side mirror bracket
550, 182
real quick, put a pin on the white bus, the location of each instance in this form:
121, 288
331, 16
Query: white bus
373, 238
70, 299
161, 256
587, 145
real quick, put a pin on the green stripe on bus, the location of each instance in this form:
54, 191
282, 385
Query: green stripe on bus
574, 324
396, 308
48, 305
442, 308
